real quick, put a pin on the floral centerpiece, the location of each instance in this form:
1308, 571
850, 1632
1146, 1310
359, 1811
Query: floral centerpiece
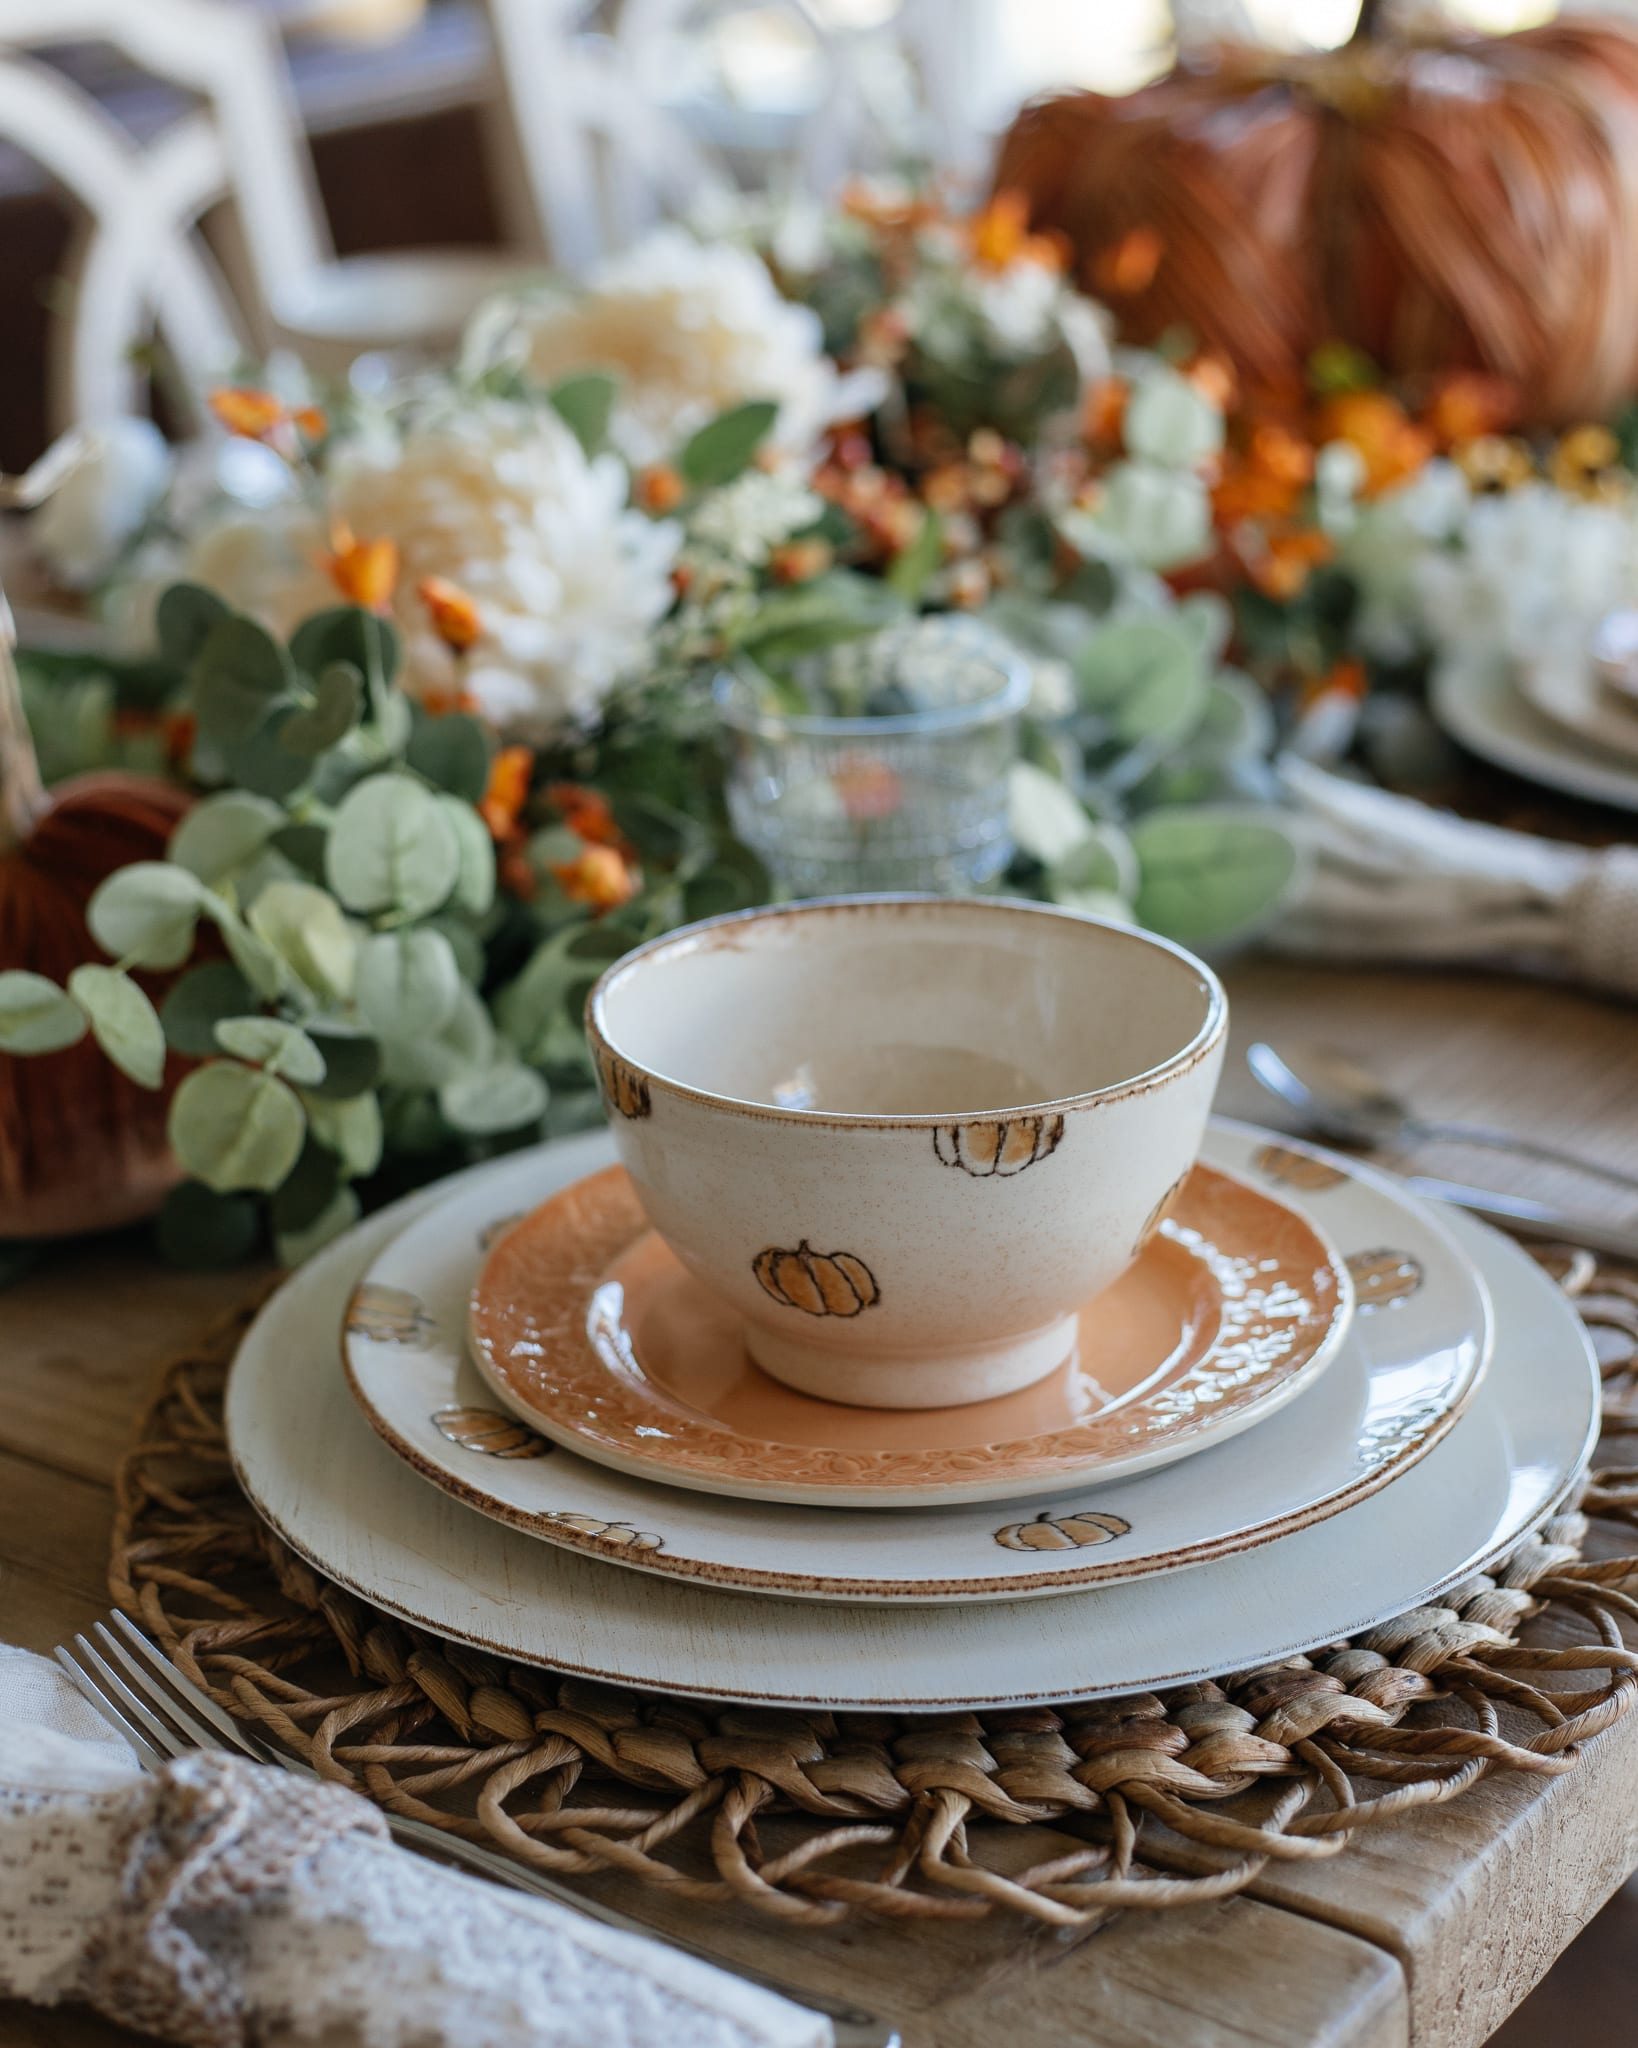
439, 666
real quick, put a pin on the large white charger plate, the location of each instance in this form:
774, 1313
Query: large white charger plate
323, 1481
1484, 709
1405, 1370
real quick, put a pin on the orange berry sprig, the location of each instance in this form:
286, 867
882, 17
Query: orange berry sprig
259, 416
364, 571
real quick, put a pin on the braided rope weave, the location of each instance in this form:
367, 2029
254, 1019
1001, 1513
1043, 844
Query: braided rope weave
813, 1817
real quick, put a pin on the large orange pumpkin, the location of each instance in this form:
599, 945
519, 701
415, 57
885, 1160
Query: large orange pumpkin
1467, 202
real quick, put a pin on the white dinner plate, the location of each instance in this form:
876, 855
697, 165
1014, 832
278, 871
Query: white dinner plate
1405, 1369
339, 1497
1566, 688
1484, 709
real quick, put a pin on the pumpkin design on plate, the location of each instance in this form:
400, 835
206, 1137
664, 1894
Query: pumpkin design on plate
987, 1150
389, 1315
621, 1534
1292, 1169
492, 1233
488, 1430
1158, 1214
1079, 1531
818, 1283
1383, 1279
624, 1089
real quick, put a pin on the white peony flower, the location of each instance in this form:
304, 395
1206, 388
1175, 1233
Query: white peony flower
100, 505
690, 330
751, 516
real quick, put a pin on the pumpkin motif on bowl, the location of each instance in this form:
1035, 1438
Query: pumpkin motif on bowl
1289, 1168
1001, 1149
489, 1431
621, 1534
624, 1089
1382, 1279
818, 1283
389, 1315
1079, 1531
1159, 1213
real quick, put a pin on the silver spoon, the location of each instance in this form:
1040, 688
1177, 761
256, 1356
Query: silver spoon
1339, 1099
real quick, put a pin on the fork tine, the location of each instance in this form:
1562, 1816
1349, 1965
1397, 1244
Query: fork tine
143, 1684
163, 1731
91, 1692
153, 1672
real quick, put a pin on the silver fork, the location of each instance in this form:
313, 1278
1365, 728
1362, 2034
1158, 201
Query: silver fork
163, 1714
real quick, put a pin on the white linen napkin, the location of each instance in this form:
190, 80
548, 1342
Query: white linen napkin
221, 1903
1394, 879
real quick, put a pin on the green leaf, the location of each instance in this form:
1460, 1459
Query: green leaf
408, 983
199, 1228
238, 676
1168, 421
262, 765
723, 447
452, 752
146, 913
233, 1127
469, 954
36, 1015
305, 927
123, 1022
351, 1129
391, 848
346, 634
827, 612
1048, 820
475, 877
223, 833
198, 1002
467, 1040
492, 1100
352, 1061
338, 704
584, 403
297, 1245
255, 959
1147, 678
1214, 873
307, 1189
303, 847
186, 616
271, 1042
1101, 867
910, 572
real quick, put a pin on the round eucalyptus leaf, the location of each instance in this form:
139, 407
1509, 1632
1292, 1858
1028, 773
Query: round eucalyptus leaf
407, 984
303, 847
1047, 819
255, 959
222, 833
1103, 865
238, 675
305, 927
391, 848
263, 765
352, 1060
307, 1189
346, 633
1146, 676
146, 913
1168, 421
351, 1129
271, 1042
1159, 518
123, 1022
475, 877
36, 1015
469, 954
235, 1127
198, 1228
295, 1246
467, 1040
452, 752
184, 620
492, 1100
338, 703
1215, 874
198, 1002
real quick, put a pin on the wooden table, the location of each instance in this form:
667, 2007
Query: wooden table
1429, 1932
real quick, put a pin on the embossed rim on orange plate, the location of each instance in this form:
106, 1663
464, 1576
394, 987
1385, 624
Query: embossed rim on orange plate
551, 1340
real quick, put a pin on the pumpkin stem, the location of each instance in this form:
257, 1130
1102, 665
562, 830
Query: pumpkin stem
1370, 15
22, 793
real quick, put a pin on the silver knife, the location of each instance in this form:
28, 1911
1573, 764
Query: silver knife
1530, 1219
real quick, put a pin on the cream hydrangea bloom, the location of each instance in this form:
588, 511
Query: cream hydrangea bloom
690, 329
499, 498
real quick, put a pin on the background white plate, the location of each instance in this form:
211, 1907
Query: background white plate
1400, 1378
1485, 711
317, 1472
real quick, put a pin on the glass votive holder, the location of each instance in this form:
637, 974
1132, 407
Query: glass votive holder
880, 800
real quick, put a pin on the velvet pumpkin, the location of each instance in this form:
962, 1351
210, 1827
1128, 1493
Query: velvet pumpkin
1464, 202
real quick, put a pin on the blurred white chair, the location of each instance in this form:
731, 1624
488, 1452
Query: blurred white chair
141, 268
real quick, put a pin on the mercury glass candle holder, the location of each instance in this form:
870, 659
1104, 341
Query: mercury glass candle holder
880, 797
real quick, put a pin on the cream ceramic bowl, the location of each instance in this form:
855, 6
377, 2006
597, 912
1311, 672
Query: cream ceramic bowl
907, 1137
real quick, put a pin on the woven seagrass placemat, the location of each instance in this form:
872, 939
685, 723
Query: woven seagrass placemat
814, 1817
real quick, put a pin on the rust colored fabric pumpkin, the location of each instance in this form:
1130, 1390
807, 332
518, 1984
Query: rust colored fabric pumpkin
1470, 202
81, 1147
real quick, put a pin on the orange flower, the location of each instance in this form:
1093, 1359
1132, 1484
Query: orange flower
506, 792
599, 878
1287, 560
1377, 425
586, 813
1213, 377
364, 571
1247, 491
799, 561
454, 616
310, 422
1000, 235
253, 415
1128, 266
660, 489
1104, 414
1346, 678
868, 788
440, 703
1468, 405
